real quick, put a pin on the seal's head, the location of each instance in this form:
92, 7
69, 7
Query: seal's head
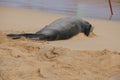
87, 28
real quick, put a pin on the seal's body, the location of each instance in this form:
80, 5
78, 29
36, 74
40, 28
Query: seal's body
63, 28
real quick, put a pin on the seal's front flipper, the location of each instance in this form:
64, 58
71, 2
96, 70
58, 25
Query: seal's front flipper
14, 36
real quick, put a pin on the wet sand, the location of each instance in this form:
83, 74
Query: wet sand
96, 57
92, 9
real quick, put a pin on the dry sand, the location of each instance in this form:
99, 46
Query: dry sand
96, 57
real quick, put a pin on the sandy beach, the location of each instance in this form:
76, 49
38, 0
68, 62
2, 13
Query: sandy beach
96, 57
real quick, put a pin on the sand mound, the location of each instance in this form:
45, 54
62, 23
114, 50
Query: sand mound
82, 36
36, 60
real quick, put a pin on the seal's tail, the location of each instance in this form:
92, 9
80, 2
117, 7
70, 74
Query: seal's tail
27, 35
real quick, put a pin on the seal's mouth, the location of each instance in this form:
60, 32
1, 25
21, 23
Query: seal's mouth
91, 30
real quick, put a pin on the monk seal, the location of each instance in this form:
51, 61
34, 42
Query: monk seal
60, 29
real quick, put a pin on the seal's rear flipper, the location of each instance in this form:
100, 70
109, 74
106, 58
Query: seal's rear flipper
34, 36
28, 35
14, 36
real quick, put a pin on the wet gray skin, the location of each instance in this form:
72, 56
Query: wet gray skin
60, 29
